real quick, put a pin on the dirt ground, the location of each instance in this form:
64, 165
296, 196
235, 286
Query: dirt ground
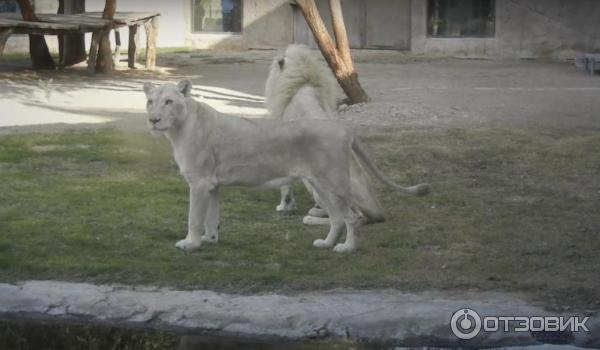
406, 91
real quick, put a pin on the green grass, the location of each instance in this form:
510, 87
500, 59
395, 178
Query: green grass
20, 56
511, 210
14, 56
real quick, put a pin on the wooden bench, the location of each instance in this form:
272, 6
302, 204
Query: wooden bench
89, 22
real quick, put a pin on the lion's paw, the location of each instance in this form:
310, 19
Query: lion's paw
188, 246
321, 243
214, 238
318, 212
286, 207
313, 220
343, 248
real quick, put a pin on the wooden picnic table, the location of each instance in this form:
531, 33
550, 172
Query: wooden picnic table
89, 22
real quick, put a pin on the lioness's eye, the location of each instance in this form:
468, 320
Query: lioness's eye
149, 102
168, 102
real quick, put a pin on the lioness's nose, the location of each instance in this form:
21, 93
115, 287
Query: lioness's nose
154, 120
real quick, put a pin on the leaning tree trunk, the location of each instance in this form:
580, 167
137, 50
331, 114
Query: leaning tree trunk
105, 59
38, 49
71, 46
337, 55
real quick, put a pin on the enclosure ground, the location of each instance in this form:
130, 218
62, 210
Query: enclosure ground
512, 149
511, 210
406, 91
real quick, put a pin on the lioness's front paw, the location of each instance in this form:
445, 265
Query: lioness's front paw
188, 246
321, 243
210, 238
344, 248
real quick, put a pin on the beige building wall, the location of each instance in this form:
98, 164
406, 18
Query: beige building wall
266, 24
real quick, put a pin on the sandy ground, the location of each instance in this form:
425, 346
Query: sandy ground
406, 91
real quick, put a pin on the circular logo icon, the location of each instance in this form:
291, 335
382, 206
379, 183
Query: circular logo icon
465, 324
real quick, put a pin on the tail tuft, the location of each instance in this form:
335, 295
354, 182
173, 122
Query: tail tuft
420, 189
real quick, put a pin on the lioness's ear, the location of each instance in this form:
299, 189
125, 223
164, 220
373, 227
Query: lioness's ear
147, 88
185, 87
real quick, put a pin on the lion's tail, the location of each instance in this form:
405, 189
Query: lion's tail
417, 190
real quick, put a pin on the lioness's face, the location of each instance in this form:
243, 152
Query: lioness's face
166, 103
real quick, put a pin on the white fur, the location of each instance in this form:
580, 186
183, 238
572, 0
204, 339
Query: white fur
214, 150
301, 87
302, 78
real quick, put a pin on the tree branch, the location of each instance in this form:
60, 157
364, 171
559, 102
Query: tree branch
322, 37
337, 55
340, 33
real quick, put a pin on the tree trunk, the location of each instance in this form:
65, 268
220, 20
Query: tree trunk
72, 46
105, 58
38, 49
337, 55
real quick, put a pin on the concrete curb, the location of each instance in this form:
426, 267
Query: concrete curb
382, 316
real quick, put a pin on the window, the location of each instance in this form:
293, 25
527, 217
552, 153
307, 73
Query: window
217, 16
461, 18
8, 6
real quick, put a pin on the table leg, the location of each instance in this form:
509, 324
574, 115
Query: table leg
134, 39
151, 34
117, 53
94, 50
62, 55
4, 35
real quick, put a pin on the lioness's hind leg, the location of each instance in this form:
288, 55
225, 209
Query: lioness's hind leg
288, 202
335, 229
363, 195
336, 221
351, 220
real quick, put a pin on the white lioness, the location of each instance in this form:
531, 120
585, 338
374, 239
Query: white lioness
300, 87
214, 150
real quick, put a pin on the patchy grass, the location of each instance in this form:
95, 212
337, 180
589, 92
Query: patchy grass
511, 210
19, 56
14, 56
162, 51
32, 335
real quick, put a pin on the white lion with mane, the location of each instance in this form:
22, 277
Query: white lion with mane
300, 87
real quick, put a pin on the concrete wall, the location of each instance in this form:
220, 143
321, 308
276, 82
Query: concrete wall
533, 28
266, 24
524, 28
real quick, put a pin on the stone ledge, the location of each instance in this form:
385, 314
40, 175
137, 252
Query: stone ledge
383, 316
